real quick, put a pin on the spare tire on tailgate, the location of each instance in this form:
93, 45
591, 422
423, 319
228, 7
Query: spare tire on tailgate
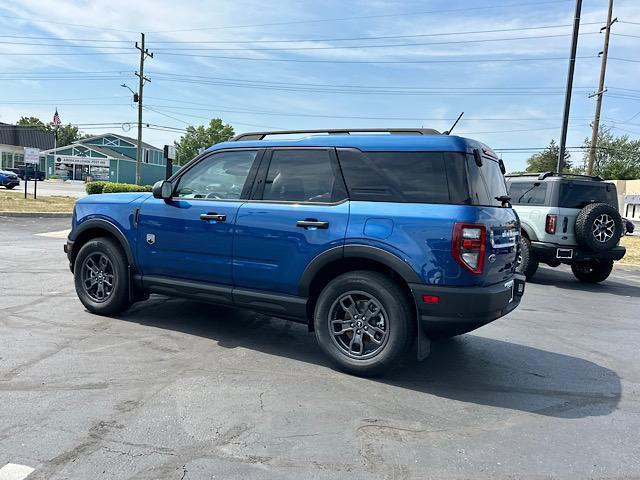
598, 227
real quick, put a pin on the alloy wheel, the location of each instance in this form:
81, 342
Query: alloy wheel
98, 277
603, 228
359, 325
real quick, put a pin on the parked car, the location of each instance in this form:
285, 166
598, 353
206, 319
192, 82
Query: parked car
8, 179
567, 219
32, 173
372, 240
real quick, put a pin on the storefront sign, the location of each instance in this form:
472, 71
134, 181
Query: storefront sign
31, 155
95, 162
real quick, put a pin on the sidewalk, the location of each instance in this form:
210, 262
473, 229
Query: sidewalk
51, 187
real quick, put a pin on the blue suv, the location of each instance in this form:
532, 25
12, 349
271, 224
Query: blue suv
373, 240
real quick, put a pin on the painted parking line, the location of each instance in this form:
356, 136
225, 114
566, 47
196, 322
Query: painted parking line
58, 234
13, 471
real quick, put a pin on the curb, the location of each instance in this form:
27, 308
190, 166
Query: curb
37, 214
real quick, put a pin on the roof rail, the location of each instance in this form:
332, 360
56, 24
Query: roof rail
340, 131
543, 175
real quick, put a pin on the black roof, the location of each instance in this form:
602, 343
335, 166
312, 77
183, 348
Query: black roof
22, 136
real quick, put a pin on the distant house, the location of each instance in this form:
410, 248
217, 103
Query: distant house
13, 139
106, 157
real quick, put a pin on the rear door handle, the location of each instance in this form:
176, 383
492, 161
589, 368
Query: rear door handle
312, 223
205, 217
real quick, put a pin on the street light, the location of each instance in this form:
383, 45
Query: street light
135, 94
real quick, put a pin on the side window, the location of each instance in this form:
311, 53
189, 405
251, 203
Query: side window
303, 176
528, 193
220, 176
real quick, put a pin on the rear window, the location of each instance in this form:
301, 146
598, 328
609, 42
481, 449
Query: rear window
580, 194
486, 182
528, 193
412, 177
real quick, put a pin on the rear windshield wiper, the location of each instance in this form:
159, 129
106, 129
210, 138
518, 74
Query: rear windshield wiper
505, 200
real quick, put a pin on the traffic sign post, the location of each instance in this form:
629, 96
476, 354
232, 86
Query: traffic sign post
31, 157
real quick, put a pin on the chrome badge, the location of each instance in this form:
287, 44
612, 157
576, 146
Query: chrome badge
151, 238
492, 258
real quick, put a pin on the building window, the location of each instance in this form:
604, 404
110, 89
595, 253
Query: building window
6, 160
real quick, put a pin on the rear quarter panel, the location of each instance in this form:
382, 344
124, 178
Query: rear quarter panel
421, 236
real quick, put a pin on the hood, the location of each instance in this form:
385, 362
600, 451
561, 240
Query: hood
113, 198
6, 172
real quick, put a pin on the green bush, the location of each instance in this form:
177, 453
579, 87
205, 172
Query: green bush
94, 188
125, 187
53, 177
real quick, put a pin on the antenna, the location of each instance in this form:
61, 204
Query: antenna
447, 132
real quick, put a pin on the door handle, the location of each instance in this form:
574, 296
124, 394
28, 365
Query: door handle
205, 217
312, 223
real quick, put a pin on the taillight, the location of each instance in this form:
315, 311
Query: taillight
469, 245
550, 224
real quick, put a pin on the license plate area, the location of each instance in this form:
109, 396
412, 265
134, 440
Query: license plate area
564, 253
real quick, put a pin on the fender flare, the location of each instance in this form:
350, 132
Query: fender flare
368, 252
102, 224
531, 235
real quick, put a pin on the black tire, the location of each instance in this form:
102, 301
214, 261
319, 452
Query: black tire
10, 187
528, 262
398, 324
594, 271
598, 227
86, 267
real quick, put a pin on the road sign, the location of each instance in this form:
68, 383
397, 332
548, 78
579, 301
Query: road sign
31, 155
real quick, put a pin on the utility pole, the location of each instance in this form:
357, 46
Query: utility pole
601, 89
567, 96
144, 53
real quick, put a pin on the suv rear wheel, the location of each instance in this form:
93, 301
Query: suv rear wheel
593, 271
363, 322
101, 277
527, 260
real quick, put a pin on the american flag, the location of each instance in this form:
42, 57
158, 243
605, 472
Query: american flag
56, 118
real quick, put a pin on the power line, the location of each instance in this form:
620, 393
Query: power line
379, 37
290, 60
362, 17
342, 47
66, 24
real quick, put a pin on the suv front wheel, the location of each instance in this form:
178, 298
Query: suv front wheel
593, 271
363, 322
101, 277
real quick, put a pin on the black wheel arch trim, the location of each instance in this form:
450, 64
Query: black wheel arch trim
528, 232
368, 252
101, 224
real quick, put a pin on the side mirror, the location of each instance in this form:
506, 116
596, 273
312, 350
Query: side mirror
162, 189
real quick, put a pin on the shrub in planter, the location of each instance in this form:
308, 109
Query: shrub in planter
94, 188
125, 187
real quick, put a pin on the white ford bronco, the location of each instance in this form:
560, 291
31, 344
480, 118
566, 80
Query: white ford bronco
570, 219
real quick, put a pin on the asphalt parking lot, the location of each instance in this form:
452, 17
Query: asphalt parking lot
50, 187
175, 389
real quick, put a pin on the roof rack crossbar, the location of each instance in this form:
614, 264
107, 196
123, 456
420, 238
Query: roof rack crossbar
340, 131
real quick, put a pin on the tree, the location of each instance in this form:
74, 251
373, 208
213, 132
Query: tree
617, 158
201, 137
32, 122
66, 135
547, 160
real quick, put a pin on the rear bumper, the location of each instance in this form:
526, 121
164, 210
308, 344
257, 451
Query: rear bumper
468, 305
567, 254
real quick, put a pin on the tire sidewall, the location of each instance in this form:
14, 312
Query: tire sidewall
584, 227
529, 264
393, 301
119, 299
601, 269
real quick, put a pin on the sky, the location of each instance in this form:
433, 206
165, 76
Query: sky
333, 64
